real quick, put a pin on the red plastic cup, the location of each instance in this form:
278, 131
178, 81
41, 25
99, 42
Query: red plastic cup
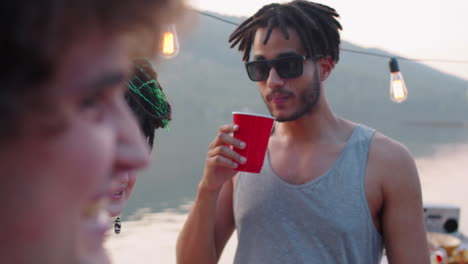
254, 130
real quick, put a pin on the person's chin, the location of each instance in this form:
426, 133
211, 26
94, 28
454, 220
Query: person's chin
95, 222
115, 207
281, 115
279, 110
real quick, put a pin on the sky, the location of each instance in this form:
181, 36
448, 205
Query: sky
419, 29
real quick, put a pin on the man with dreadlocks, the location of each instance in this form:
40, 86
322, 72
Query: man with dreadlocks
330, 190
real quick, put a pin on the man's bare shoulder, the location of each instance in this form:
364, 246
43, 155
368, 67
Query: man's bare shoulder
389, 150
399, 190
391, 161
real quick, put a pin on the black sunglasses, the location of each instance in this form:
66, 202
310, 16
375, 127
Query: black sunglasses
286, 67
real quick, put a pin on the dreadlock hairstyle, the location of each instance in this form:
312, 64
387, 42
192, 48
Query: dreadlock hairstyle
147, 99
315, 24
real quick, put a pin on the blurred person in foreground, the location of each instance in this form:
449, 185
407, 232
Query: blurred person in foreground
330, 190
152, 110
66, 128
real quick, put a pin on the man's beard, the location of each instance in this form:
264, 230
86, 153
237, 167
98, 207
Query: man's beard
308, 100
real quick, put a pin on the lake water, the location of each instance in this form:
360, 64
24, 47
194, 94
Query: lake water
158, 208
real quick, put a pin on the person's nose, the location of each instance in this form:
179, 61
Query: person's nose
274, 81
132, 149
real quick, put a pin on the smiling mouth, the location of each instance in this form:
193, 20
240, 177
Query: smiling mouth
119, 193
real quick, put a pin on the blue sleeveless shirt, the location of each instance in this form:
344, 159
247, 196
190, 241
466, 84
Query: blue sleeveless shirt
326, 220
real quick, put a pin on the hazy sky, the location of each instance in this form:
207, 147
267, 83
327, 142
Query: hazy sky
422, 29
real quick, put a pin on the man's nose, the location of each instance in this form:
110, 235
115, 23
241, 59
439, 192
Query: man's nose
132, 149
274, 81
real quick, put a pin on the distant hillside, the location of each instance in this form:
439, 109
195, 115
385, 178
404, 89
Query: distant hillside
207, 81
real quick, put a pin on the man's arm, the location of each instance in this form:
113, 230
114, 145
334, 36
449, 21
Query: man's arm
211, 221
403, 225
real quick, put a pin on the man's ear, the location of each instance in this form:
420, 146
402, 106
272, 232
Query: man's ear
326, 66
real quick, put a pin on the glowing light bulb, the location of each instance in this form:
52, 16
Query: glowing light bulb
398, 91
169, 42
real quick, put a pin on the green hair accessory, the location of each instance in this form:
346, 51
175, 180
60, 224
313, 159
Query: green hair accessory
144, 83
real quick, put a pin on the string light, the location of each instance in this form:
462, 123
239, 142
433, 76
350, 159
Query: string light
347, 50
398, 91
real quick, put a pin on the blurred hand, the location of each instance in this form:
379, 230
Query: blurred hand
221, 160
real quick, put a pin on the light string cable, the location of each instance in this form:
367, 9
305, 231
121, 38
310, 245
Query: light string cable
346, 49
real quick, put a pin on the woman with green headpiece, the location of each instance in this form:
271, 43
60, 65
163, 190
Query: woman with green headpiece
152, 111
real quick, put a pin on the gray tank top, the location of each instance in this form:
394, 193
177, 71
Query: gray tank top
323, 221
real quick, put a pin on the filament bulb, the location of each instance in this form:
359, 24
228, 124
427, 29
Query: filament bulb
169, 42
398, 91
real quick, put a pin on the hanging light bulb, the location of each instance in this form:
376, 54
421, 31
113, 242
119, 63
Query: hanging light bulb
398, 91
169, 42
